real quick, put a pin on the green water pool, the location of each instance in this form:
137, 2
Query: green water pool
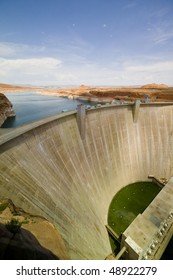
127, 204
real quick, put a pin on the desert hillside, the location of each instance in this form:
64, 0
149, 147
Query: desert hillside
155, 86
154, 92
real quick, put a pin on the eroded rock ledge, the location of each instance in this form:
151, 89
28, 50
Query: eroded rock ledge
25, 236
6, 109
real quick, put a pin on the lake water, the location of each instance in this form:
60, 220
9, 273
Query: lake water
29, 107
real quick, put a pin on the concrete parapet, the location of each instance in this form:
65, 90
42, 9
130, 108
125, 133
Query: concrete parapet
11, 133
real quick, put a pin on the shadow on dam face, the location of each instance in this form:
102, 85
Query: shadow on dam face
50, 171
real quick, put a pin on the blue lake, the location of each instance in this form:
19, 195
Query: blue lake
29, 107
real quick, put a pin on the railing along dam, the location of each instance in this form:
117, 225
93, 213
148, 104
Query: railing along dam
48, 169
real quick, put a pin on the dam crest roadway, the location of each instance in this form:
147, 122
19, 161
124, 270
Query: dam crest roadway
68, 167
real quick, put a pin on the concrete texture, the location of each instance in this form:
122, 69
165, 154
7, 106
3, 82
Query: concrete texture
49, 170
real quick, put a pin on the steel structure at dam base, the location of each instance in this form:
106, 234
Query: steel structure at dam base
68, 167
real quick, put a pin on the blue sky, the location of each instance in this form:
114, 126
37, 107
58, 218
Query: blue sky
92, 42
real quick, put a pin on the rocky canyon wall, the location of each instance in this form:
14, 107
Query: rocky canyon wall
6, 109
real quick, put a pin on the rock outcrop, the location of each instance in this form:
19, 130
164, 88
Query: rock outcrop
155, 86
6, 109
25, 236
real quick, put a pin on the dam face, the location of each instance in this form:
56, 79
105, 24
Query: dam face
51, 171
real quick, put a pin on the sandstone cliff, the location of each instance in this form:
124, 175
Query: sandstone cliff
6, 109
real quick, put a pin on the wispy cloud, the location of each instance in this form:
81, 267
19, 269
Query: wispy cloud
44, 64
8, 49
28, 70
49, 70
38, 63
131, 4
80, 63
143, 72
8, 35
162, 36
154, 67
14, 50
160, 25
160, 13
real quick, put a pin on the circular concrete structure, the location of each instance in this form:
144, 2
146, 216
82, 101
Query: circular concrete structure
47, 169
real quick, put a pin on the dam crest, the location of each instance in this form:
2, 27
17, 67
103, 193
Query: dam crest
69, 173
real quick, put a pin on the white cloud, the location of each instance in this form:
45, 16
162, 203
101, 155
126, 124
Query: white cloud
77, 64
141, 73
160, 33
28, 70
153, 67
13, 50
47, 71
130, 5
8, 49
162, 36
30, 63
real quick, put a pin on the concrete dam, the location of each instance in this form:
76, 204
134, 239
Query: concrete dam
68, 171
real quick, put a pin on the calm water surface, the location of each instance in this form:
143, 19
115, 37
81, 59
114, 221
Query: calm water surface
29, 107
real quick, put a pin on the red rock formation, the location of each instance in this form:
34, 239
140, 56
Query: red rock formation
6, 109
153, 85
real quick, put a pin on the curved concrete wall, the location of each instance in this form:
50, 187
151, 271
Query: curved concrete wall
50, 171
